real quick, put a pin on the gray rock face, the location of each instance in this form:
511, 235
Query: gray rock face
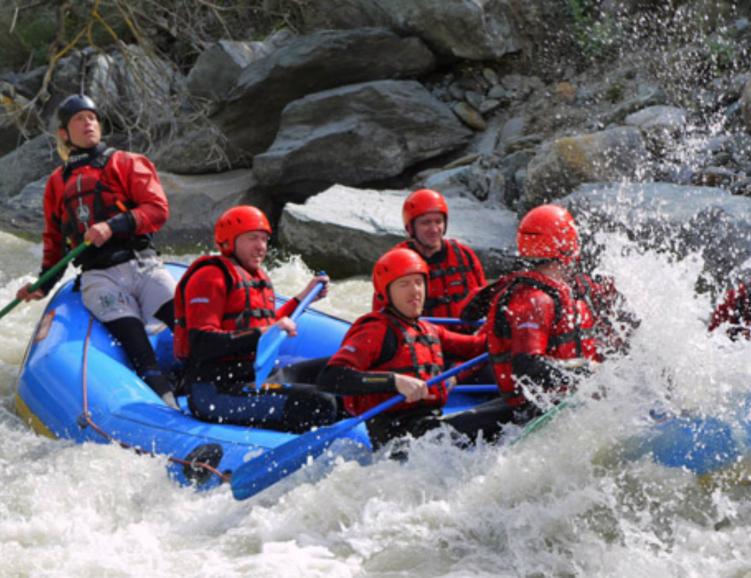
208, 196
670, 118
476, 30
310, 64
746, 105
345, 230
16, 126
24, 213
661, 125
565, 163
31, 161
358, 133
128, 87
462, 28
217, 69
197, 150
473, 181
675, 218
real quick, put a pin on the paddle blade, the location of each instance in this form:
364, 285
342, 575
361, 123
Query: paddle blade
699, 444
275, 464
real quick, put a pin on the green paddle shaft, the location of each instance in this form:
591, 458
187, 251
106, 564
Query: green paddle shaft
54, 270
541, 421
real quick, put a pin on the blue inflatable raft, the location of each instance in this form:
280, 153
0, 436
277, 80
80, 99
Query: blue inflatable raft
76, 383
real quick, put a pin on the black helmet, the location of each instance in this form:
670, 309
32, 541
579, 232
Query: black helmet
73, 104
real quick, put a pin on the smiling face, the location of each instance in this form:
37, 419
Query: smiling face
428, 231
407, 295
83, 130
251, 249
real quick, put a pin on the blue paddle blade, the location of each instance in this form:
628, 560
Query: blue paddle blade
275, 464
699, 444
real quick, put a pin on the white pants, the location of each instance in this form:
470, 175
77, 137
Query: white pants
136, 288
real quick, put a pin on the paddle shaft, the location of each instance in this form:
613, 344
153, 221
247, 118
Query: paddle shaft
389, 403
265, 470
269, 343
541, 420
54, 270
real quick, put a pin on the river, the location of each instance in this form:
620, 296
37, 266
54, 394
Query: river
558, 504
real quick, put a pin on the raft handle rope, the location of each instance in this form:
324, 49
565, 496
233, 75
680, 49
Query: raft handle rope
85, 419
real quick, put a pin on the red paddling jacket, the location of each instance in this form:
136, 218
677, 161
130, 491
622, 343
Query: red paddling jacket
102, 184
219, 309
383, 343
533, 317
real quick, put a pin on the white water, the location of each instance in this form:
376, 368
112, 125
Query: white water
554, 505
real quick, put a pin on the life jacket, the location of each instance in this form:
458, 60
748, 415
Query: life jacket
572, 335
449, 280
88, 199
735, 310
250, 300
418, 354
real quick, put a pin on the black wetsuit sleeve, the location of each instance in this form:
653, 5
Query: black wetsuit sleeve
208, 345
123, 223
540, 371
343, 380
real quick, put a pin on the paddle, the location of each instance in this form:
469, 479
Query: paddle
265, 470
269, 343
54, 270
541, 420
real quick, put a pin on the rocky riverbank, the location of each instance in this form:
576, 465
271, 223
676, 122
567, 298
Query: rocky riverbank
500, 105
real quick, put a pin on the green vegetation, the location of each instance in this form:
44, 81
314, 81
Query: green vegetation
595, 34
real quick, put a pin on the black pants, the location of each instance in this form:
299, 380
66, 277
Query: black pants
486, 419
293, 407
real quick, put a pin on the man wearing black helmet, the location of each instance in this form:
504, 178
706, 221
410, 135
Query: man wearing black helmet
114, 201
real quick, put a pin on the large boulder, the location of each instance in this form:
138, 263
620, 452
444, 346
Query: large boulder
23, 214
33, 160
661, 125
309, 64
468, 29
357, 134
675, 218
218, 68
567, 162
344, 230
208, 196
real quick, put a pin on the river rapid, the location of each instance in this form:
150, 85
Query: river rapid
558, 504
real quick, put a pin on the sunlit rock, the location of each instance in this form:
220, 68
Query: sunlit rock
345, 230
566, 162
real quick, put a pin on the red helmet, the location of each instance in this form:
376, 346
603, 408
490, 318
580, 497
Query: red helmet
236, 221
548, 232
421, 202
395, 264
